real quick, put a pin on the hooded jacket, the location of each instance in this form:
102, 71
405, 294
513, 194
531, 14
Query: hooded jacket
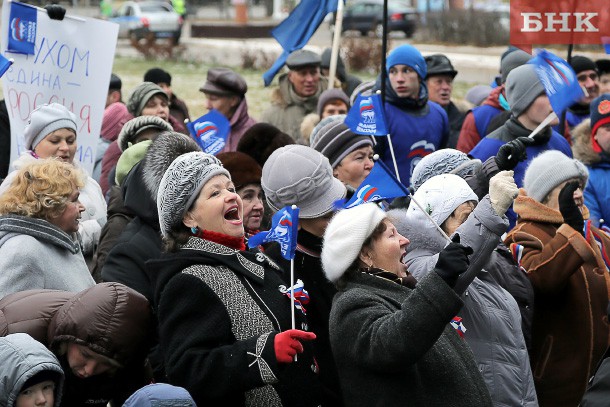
570, 330
23, 358
597, 191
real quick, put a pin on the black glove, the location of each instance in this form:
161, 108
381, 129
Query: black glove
55, 11
453, 261
568, 208
511, 153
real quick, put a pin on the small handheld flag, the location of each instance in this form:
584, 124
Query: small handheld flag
5, 64
23, 20
367, 116
559, 80
378, 185
457, 324
298, 292
210, 131
284, 229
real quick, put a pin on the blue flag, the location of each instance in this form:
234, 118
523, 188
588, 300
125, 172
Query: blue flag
367, 116
559, 80
295, 31
22, 28
606, 42
4, 65
284, 228
379, 184
210, 131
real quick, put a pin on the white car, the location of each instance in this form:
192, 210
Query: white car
138, 19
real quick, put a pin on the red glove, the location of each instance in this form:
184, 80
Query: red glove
287, 344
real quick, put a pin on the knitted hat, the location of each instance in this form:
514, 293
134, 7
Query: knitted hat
365, 89
181, 184
299, 175
115, 117
132, 128
129, 158
407, 55
603, 66
580, 63
477, 94
328, 119
600, 115
115, 82
224, 82
43, 376
345, 235
158, 75
329, 95
549, 169
141, 95
243, 168
522, 87
44, 120
511, 61
336, 141
439, 64
440, 196
439, 162
261, 140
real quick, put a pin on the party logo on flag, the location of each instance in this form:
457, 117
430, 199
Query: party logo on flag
366, 116
22, 28
210, 131
379, 184
284, 228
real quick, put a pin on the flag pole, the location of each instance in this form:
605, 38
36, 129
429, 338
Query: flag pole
334, 55
388, 135
384, 50
292, 287
552, 116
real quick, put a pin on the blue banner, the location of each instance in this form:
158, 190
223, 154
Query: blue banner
210, 131
367, 116
284, 229
22, 28
559, 80
378, 185
5, 64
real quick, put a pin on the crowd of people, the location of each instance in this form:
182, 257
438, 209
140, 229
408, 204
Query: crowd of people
486, 285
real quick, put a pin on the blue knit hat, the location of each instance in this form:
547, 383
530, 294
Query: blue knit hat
407, 55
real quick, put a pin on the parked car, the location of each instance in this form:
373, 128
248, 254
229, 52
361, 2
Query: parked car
367, 15
139, 19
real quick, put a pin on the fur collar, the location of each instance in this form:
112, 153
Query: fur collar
529, 209
582, 145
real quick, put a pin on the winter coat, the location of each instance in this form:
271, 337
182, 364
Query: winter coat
160, 395
490, 314
109, 319
474, 127
36, 254
288, 109
570, 328
597, 191
94, 216
394, 346
456, 119
240, 123
308, 268
100, 150
22, 358
219, 311
178, 109
5, 140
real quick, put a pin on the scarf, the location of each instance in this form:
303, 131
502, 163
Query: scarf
237, 243
408, 281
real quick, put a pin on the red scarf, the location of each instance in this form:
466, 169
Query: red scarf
236, 243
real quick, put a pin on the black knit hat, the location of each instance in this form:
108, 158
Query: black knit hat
603, 66
580, 63
335, 141
158, 75
261, 140
115, 82
42, 376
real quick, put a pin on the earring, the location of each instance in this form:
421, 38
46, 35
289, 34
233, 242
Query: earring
194, 230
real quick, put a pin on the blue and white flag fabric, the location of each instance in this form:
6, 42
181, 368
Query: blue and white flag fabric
210, 131
379, 184
301, 296
22, 28
606, 42
295, 31
367, 116
284, 229
559, 80
5, 64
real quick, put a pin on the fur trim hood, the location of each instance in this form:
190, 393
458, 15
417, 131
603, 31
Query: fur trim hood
582, 147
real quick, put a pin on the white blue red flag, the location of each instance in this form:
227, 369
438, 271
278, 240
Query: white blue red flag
367, 116
210, 131
559, 80
301, 296
5, 64
378, 185
284, 229
457, 324
22, 28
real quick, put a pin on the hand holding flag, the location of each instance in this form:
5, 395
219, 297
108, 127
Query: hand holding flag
210, 131
284, 229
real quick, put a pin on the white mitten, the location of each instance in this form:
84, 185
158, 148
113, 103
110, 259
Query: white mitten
502, 191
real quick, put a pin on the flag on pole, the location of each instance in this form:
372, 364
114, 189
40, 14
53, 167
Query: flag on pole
379, 184
22, 28
5, 64
295, 31
606, 42
210, 131
284, 229
367, 116
559, 80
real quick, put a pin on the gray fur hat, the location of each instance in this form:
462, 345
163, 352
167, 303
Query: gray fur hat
44, 120
140, 96
181, 184
168, 146
132, 128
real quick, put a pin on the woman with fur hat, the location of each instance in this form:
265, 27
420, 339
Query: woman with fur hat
224, 316
565, 258
390, 337
100, 337
51, 132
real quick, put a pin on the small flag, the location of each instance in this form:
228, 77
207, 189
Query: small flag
379, 184
367, 116
517, 251
284, 228
210, 131
301, 296
22, 28
5, 64
559, 80
457, 324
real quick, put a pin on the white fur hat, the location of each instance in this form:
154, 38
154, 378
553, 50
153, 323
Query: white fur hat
345, 235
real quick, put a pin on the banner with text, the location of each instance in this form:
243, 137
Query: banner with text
71, 65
